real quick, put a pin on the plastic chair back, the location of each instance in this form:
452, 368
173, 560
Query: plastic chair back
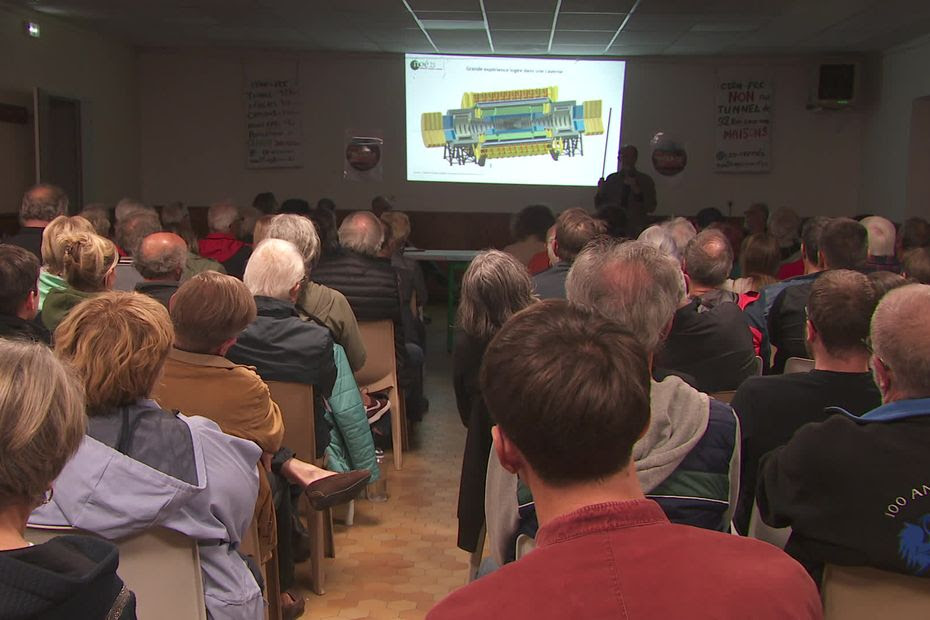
798, 364
161, 566
864, 593
380, 374
724, 397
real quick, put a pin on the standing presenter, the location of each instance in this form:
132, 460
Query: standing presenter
633, 191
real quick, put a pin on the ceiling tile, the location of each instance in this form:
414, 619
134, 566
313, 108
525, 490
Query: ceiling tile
461, 41
628, 38
599, 6
519, 21
590, 21
573, 37
520, 37
522, 6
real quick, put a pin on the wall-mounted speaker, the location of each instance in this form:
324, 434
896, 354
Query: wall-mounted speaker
837, 85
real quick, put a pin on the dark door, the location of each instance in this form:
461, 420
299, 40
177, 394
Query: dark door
58, 145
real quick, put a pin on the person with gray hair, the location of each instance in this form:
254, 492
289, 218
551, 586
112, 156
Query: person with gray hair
160, 260
127, 206
682, 231
495, 286
853, 489
639, 287
222, 244
882, 236
130, 231
98, 214
316, 302
710, 338
371, 286
658, 236
41, 204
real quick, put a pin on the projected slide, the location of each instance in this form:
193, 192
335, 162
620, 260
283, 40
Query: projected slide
474, 119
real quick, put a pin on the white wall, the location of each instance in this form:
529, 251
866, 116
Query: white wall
75, 63
885, 168
193, 136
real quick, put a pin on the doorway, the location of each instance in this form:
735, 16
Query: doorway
59, 149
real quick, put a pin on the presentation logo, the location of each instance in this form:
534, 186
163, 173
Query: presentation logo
421, 64
914, 545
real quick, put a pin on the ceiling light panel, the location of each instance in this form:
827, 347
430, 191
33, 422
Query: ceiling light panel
452, 24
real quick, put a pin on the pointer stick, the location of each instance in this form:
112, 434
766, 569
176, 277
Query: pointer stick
610, 112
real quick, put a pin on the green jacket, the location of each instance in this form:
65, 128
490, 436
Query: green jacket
350, 445
59, 303
48, 282
198, 264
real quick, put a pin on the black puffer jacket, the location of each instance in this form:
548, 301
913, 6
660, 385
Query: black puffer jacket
370, 284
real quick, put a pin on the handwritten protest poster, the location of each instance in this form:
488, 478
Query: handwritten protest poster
272, 110
743, 118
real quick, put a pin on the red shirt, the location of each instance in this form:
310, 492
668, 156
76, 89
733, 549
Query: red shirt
539, 263
625, 560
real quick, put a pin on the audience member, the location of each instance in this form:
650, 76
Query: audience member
195, 262
734, 234
295, 206
758, 312
884, 281
282, 347
175, 213
495, 287
326, 204
316, 302
543, 260
682, 232
41, 426
266, 203
51, 276
913, 233
142, 466
710, 338
19, 295
370, 284
771, 409
843, 245
528, 231
248, 217
98, 214
614, 219
574, 228
708, 216
89, 266
209, 312
130, 231
916, 265
260, 233
633, 191
160, 260
785, 226
660, 238
221, 244
759, 261
852, 488
41, 204
568, 417
127, 206
756, 218
399, 224
881, 244
324, 220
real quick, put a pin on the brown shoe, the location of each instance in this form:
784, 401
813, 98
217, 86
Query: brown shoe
337, 489
292, 606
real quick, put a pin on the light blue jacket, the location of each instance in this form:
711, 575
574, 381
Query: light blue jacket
103, 491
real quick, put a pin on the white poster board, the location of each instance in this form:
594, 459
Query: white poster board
743, 119
272, 114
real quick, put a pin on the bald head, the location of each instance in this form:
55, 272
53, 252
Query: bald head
708, 258
42, 203
881, 234
161, 256
902, 342
362, 232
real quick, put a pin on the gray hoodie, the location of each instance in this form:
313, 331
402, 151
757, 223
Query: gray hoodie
678, 420
103, 491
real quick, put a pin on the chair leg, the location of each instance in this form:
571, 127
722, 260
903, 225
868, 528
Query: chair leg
329, 543
273, 587
405, 436
397, 415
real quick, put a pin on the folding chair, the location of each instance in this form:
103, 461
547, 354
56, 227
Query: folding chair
161, 566
864, 593
296, 403
725, 396
380, 373
798, 364
249, 546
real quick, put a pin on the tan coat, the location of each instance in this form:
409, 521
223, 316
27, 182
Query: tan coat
236, 399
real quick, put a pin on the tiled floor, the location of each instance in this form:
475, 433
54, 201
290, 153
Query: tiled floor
400, 557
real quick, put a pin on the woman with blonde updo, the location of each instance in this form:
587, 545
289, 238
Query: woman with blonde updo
51, 277
88, 264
